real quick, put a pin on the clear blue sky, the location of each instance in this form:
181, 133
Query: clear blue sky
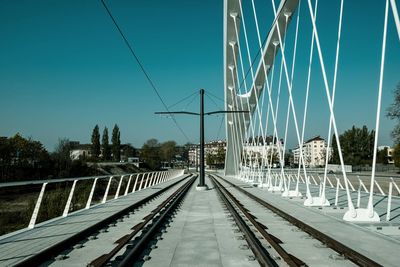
64, 68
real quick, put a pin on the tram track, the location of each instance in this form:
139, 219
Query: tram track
148, 228
56, 252
235, 192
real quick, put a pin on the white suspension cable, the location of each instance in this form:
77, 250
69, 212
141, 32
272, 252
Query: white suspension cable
277, 105
265, 70
288, 109
327, 91
395, 16
378, 113
290, 97
306, 99
266, 162
333, 99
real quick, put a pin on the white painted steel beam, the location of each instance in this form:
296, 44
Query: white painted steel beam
234, 147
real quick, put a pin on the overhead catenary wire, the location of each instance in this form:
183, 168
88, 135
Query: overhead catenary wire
216, 97
191, 101
212, 100
142, 68
183, 99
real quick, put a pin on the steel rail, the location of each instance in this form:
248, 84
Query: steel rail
140, 227
133, 255
290, 259
262, 255
339, 247
53, 250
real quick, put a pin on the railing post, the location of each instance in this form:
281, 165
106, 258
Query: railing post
351, 185
329, 181
71, 193
89, 201
389, 205
301, 178
155, 179
147, 180
151, 179
129, 183
136, 180
337, 191
141, 181
158, 177
362, 184
359, 196
107, 189
315, 182
380, 188
119, 186
37, 207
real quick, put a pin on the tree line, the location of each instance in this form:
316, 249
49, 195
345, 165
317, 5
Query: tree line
154, 154
393, 113
105, 151
358, 143
24, 158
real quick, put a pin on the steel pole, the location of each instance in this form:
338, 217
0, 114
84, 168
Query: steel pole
202, 179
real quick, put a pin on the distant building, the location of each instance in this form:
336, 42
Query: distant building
389, 153
314, 151
209, 148
83, 151
260, 149
79, 151
134, 160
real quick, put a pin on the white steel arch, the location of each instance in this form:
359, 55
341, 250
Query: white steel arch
234, 100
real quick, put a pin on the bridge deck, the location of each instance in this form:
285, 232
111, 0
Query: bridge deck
364, 238
202, 234
21, 245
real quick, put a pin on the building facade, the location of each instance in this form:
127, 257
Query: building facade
210, 148
263, 151
314, 151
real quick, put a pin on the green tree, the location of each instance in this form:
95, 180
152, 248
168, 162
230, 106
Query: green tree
62, 157
393, 113
210, 159
220, 157
22, 158
116, 143
396, 155
168, 150
382, 156
357, 146
105, 145
95, 142
150, 154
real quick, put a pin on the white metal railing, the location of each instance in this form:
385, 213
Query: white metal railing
272, 180
147, 179
390, 193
